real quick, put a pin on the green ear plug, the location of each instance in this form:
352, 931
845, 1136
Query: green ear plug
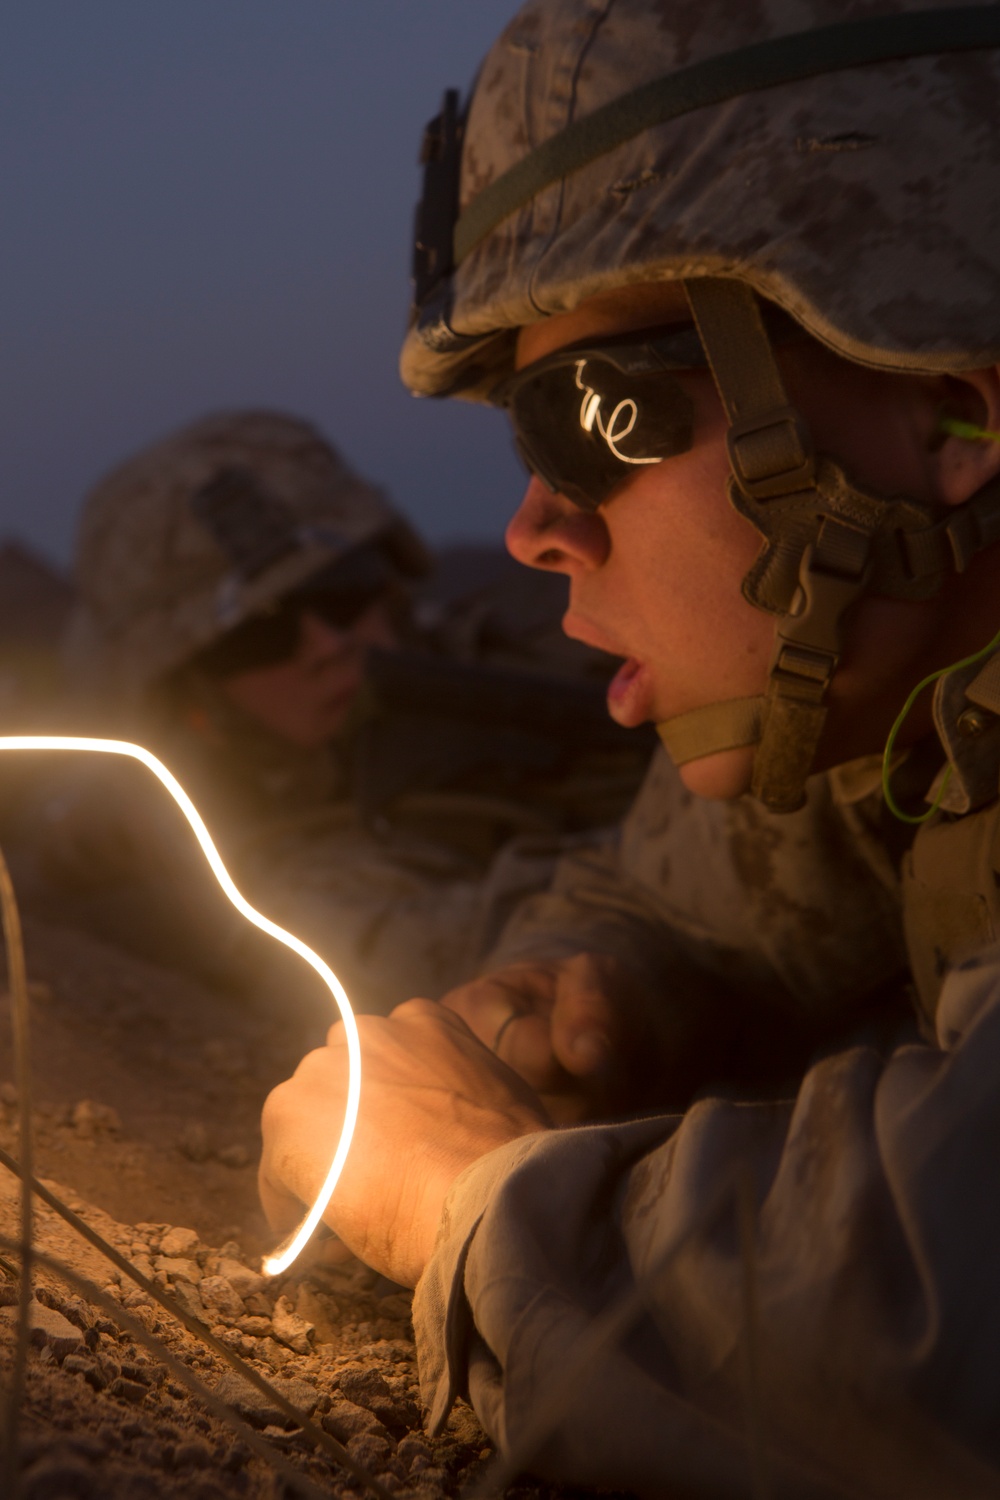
971, 430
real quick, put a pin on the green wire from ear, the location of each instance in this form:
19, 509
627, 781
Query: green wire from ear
890, 800
971, 430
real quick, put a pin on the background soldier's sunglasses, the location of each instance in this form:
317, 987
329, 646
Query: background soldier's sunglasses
589, 416
340, 595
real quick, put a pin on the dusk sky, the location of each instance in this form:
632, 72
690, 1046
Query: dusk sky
207, 205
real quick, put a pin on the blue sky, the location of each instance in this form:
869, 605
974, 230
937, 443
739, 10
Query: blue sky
207, 204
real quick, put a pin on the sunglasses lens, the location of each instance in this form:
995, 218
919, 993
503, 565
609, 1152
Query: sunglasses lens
339, 594
349, 587
261, 641
583, 425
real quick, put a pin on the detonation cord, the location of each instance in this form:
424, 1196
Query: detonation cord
17, 983
291, 1247
932, 677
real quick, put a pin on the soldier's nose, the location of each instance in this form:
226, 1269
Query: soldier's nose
550, 532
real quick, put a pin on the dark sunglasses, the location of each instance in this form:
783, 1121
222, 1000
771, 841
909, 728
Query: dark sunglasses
589, 416
585, 418
340, 595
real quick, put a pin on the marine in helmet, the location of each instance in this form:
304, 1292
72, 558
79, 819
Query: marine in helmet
246, 608
734, 271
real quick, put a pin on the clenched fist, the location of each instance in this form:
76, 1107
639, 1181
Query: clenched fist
433, 1100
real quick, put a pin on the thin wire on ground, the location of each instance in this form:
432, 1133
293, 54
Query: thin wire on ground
292, 1476
17, 982
197, 1329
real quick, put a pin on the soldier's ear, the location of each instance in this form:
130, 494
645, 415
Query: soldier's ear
965, 445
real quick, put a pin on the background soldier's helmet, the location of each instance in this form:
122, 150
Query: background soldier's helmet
213, 524
863, 199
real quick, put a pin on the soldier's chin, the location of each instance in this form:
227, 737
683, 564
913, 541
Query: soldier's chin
719, 777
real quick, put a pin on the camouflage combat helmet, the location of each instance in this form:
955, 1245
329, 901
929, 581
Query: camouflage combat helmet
197, 532
839, 158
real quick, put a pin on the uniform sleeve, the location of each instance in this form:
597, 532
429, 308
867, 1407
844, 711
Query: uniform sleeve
799, 911
804, 1290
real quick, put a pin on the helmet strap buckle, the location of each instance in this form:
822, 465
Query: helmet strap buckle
771, 454
806, 655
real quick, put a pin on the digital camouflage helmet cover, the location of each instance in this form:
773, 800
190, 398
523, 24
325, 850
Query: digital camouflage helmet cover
839, 158
214, 523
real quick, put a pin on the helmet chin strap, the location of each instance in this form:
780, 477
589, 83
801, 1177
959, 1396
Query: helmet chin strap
825, 543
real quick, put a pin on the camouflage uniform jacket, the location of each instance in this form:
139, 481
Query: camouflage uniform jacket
798, 1298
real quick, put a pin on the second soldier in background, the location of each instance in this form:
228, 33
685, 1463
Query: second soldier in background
247, 609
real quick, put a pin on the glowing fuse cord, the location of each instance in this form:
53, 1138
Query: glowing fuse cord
286, 1253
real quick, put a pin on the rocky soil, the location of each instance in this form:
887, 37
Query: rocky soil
148, 1088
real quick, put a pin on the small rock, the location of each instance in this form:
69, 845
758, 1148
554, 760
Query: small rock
235, 1458
282, 1438
8, 1093
368, 1388
49, 1329
9, 1294
412, 1448
180, 1242
79, 1364
431, 1481
321, 1311
398, 1306
276, 1354
136, 1298
258, 1408
290, 1328
364, 1386
234, 1156
257, 1328
344, 1420
90, 1119
193, 1142
243, 1281
77, 1311
216, 1292
194, 1454
185, 1295
300, 1394
178, 1269
463, 1426
238, 1341
259, 1304
127, 1390
370, 1451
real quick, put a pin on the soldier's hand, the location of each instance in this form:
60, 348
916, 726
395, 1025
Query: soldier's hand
433, 1100
573, 1029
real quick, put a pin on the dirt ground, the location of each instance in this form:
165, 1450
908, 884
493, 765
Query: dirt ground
148, 1088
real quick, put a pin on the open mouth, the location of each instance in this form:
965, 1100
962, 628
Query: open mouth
630, 694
